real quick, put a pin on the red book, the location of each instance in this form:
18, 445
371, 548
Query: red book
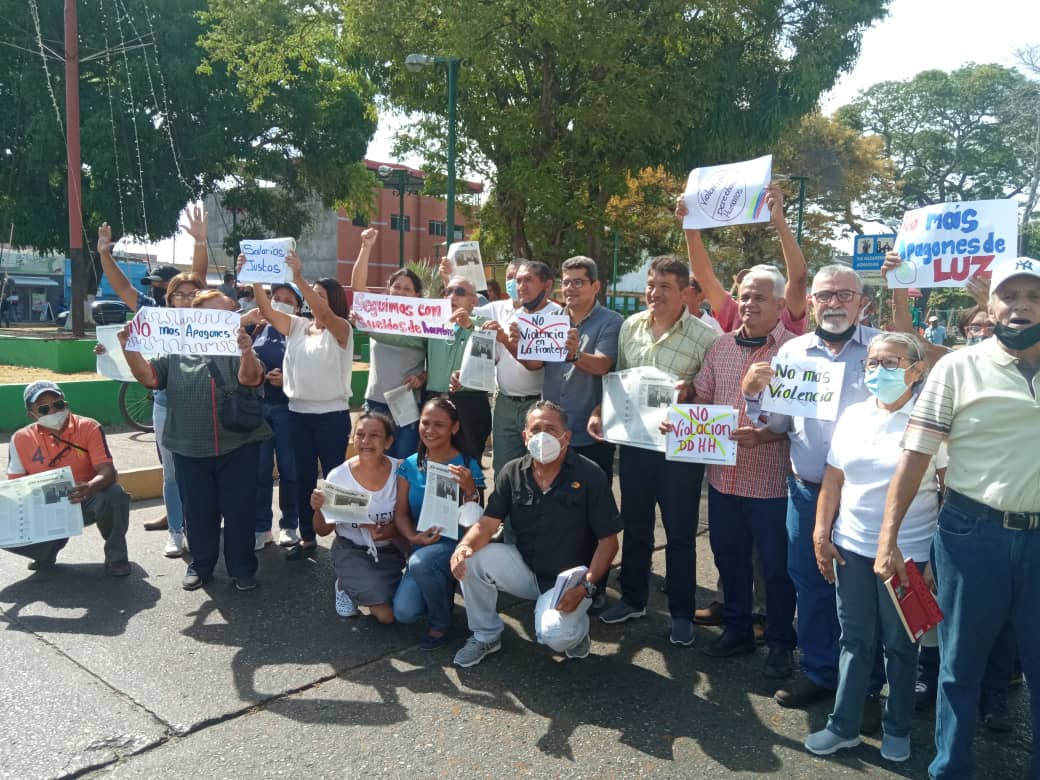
915, 604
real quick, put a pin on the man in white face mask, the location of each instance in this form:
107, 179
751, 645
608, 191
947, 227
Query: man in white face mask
559, 514
55, 439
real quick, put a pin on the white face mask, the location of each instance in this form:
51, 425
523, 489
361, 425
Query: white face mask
284, 308
544, 447
55, 421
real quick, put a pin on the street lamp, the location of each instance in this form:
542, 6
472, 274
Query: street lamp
801, 199
403, 181
415, 63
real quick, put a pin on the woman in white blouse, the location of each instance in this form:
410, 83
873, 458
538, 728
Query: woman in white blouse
860, 464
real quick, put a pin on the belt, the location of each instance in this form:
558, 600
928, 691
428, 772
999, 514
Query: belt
806, 483
1013, 521
521, 398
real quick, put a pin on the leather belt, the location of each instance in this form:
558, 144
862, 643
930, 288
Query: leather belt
1013, 521
806, 483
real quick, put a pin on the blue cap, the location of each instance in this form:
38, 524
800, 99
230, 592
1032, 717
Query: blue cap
38, 388
291, 287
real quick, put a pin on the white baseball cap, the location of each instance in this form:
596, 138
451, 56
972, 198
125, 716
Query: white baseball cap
1013, 266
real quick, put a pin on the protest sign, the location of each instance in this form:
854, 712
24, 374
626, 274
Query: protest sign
805, 387
465, 256
184, 332
36, 508
699, 433
543, 337
635, 403
945, 244
733, 194
427, 318
265, 260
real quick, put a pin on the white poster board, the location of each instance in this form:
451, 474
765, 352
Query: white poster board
112, 364
35, 508
543, 336
732, 194
265, 260
161, 331
806, 387
427, 318
700, 433
465, 258
635, 403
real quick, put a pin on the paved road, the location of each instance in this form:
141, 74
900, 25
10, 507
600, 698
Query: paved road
138, 678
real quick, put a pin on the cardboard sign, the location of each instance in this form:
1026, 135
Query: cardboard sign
184, 332
465, 255
428, 318
265, 260
946, 244
733, 194
543, 337
805, 387
700, 433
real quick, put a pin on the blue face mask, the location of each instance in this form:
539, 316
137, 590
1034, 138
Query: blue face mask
887, 384
511, 289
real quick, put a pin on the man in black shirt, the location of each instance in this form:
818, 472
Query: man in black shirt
559, 514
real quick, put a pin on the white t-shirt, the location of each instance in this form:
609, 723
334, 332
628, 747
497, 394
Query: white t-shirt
316, 371
866, 447
711, 322
513, 378
381, 504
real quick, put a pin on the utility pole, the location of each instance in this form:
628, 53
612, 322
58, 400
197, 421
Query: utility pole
75, 186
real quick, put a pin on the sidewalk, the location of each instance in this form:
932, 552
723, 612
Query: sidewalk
138, 678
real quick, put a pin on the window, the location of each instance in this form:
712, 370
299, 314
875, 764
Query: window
359, 221
458, 233
397, 222
438, 228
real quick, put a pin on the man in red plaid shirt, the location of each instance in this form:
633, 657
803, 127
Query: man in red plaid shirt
747, 503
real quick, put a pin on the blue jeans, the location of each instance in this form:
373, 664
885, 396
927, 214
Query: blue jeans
986, 575
316, 438
867, 614
406, 440
427, 588
736, 525
648, 480
171, 492
277, 416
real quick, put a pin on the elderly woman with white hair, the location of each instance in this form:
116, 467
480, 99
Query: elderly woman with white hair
860, 465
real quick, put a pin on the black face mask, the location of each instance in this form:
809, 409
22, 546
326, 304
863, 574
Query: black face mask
1017, 340
160, 295
746, 341
536, 303
836, 338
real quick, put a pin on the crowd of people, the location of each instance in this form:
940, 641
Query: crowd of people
927, 460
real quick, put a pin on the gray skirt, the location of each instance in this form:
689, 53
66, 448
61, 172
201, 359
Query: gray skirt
366, 580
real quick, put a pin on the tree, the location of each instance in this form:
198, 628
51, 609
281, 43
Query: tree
1029, 113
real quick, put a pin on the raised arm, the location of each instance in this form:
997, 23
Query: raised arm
337, 326
797, 269
139, 367
198, 228
359, 274
902, 320
122, 286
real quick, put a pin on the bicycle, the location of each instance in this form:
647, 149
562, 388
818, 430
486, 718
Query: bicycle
135, 404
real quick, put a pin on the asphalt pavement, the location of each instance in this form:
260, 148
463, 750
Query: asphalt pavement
139, 678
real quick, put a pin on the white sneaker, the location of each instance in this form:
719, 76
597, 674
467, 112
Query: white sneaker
288, 537
345, 606
174, 545
262, 539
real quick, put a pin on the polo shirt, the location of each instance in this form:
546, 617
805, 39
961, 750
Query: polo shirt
80, 445
729, 318
577, 391
513, 378
679, 352
760, 472
979, 402
559, 529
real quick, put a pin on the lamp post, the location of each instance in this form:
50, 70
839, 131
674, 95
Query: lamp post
801, 199
403, 181
415, 63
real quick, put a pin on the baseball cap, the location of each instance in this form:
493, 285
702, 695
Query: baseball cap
1013, 266
161, 273
38, 388
933, 318
291, 288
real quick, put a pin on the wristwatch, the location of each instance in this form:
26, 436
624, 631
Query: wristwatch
590, 589
575, 359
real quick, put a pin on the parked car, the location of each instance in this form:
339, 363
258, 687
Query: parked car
103, 312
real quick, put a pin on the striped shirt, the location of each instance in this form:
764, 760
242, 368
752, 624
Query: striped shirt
980, 403
760, 472
679, 352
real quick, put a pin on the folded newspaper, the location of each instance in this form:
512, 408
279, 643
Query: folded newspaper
566, 580
36, 508
635, 403
403, 407
344, 506
441, 507
477, 371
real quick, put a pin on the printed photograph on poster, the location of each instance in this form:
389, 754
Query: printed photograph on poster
543, 337
465, 257
477, 371
265, 260
732, 194
428, 318
806, 387
162, 331
700, 433
635, 403
440, 507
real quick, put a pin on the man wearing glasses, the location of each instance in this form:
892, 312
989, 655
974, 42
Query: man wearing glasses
58, 438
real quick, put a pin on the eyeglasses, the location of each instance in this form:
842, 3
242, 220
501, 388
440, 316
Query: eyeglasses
575, 283
457, 291
184, 296
55, 405
979, 328
889, 362
826, 296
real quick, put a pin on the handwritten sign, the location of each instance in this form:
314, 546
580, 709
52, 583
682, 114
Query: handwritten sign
805, 388
427, 318
733, 194
946, 244
465, 255
543, 337
699, 433
265, 260
184, 332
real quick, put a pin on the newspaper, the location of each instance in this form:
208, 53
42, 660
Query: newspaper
478, 361
112, 364
440, 507
465, 257
342, 505
36, 508
403, 407
635, 403
566, 580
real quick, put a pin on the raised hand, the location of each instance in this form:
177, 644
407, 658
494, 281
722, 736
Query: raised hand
197, 225
105, 242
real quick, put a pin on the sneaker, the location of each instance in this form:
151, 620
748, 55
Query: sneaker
430, 641
246, 582
801, 693
345, 606
619, 612
192, 580
287, 537
871, 723
578, 650
779, 665
710, 615
117, 568
174, 545
825, 742
924, 695
730, 644
895, 748
261, 540
474, 651
682, 633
